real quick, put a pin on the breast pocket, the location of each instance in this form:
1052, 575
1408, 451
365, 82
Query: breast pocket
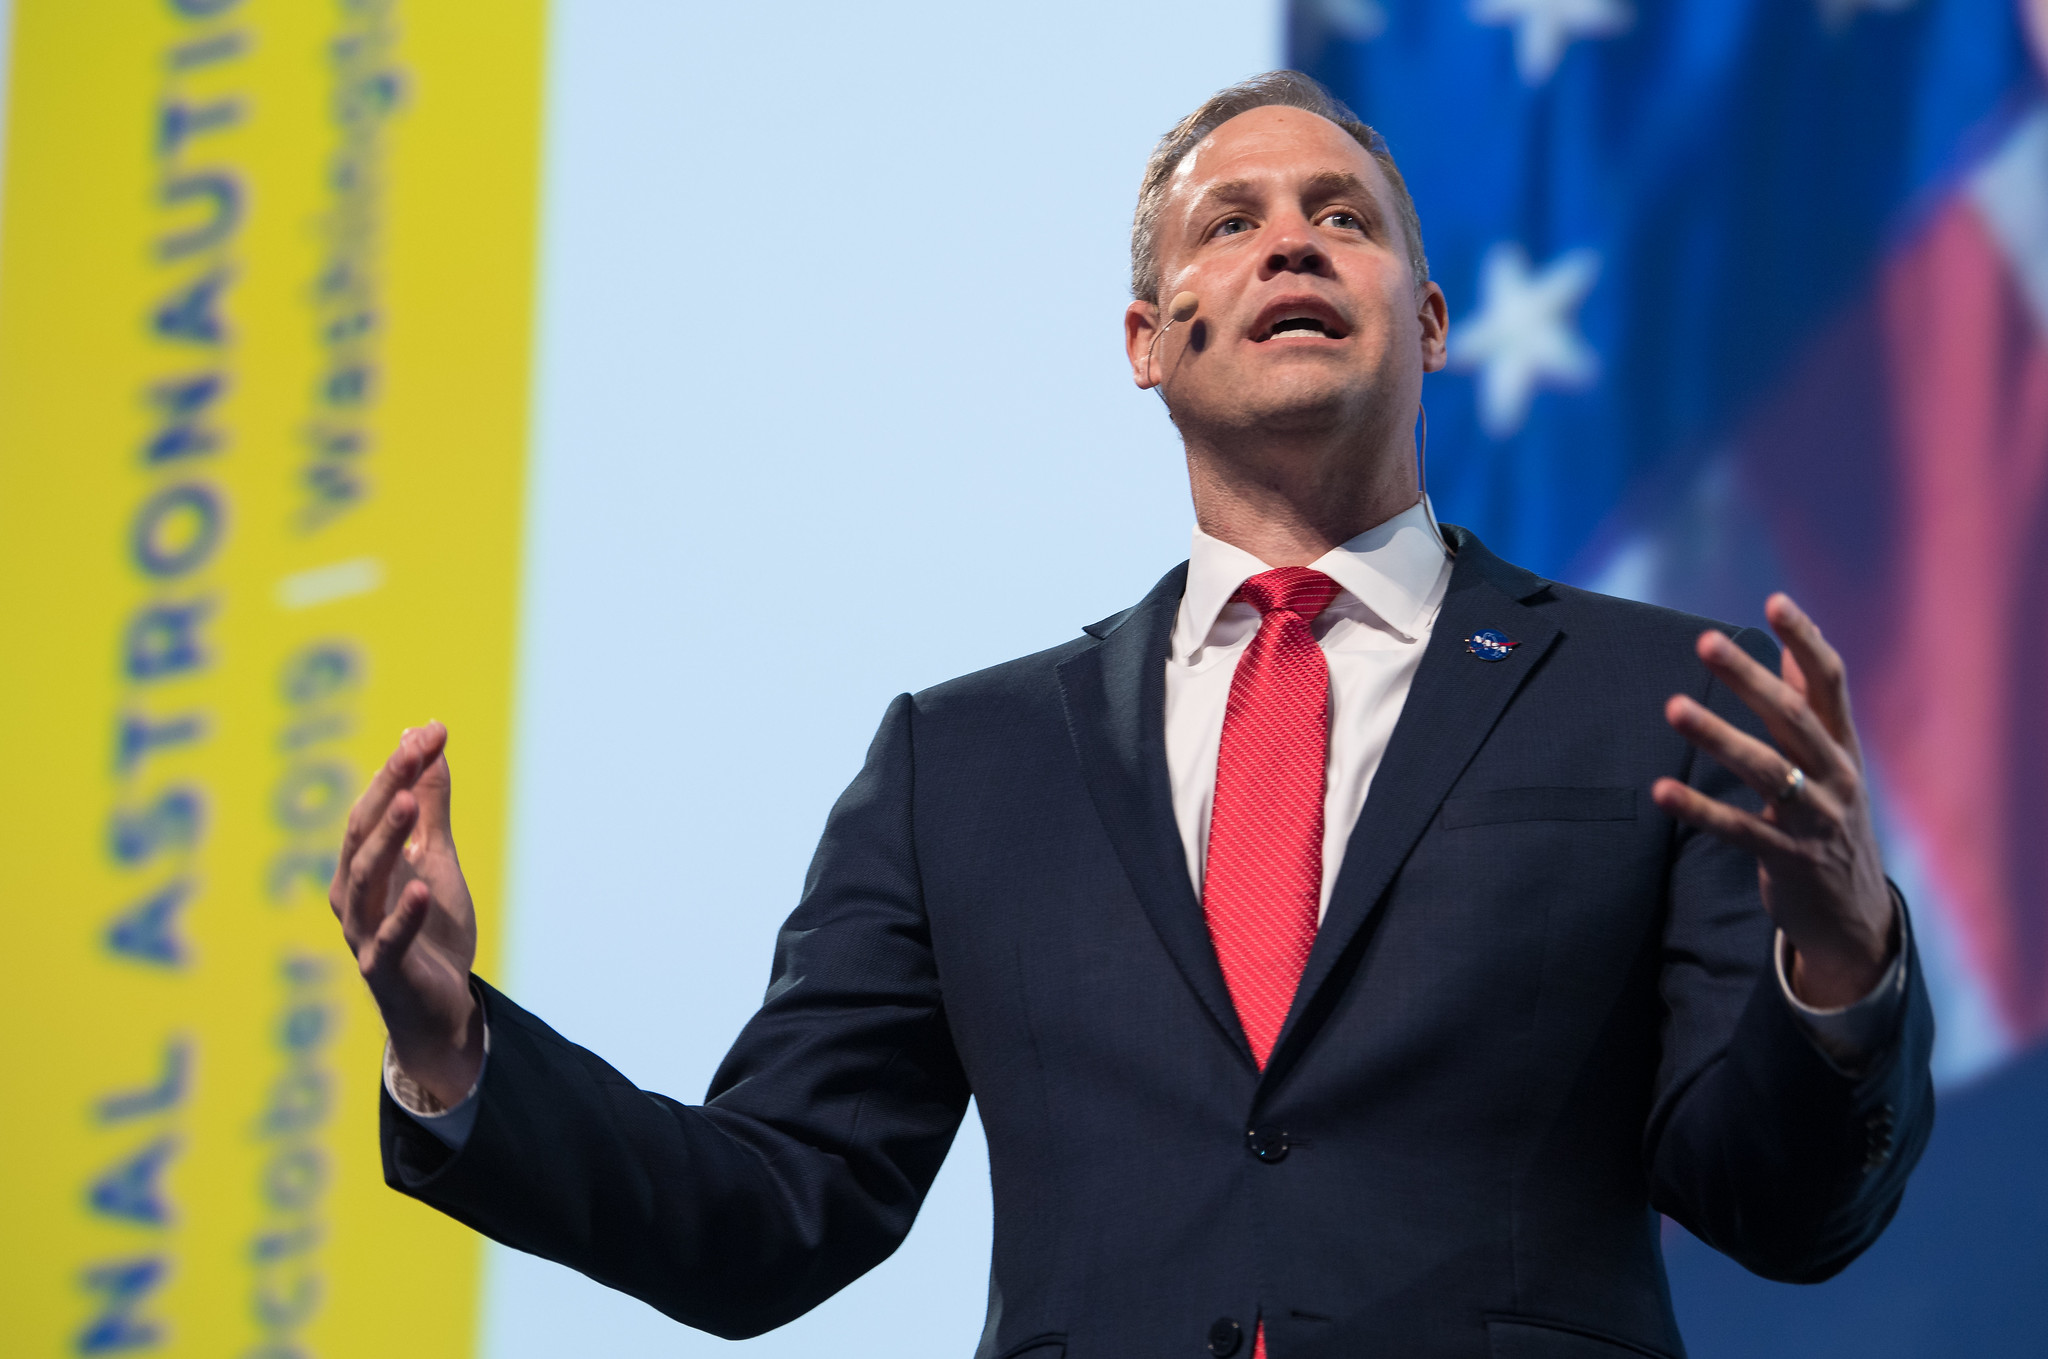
1502, 805
1531, 1338
1049, 1346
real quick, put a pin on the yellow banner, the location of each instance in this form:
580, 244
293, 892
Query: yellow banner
265, 297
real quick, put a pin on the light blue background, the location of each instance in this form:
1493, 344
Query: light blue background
831, 404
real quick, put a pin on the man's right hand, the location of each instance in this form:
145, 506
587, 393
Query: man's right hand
406, 913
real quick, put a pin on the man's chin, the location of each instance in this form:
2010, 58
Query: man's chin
1296, 407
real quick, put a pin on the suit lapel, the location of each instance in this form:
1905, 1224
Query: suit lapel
1452, 707
1115, 696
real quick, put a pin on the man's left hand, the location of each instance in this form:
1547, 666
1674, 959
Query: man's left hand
1816, 849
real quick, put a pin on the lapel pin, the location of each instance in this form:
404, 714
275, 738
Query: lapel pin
1489, 645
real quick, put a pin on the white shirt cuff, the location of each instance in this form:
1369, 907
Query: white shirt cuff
451, 1125
1851, 1034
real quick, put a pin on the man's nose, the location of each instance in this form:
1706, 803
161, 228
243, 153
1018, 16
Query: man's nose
1292, 250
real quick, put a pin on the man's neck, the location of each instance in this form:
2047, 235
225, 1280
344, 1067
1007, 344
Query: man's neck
1288, 506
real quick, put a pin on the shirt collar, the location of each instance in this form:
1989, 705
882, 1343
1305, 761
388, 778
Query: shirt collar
1395, 569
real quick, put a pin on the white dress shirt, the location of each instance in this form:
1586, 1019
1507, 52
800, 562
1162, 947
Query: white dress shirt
1392, 580
1391, 583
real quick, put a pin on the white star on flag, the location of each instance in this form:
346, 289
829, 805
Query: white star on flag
1544, 28
1358, 20
1522, 336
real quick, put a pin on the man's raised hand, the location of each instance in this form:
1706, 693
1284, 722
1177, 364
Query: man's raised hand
1816, 849
406, 913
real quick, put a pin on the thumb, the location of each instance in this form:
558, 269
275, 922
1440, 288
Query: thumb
382, 957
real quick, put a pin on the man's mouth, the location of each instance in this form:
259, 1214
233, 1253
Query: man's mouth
1301, 325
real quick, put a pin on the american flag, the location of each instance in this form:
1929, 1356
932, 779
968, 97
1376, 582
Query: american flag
1753, 294
1749, 295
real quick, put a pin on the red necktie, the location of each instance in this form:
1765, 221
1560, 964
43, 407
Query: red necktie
1264, 876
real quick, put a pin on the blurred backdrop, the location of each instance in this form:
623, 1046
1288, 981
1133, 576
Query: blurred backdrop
1750, 295
365, 361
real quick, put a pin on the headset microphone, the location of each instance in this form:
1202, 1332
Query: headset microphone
1179, 312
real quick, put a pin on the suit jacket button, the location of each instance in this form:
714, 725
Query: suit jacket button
1225, 1335
1268, 1144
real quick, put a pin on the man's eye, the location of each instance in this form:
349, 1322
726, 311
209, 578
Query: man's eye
1344, 221
1230, 226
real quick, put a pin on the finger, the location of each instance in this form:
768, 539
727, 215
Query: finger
433, 786
1824, 678
1759, 766
386, 952
369, 872
1754, 762
397, 772
1783, 708
1731, 824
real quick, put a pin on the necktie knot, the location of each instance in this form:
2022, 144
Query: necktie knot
1289, 589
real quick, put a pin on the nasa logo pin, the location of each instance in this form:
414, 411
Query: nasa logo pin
1489, 645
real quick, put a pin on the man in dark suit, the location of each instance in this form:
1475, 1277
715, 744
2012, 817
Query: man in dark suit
1352, 947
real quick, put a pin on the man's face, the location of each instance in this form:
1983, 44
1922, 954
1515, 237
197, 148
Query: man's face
1310, 318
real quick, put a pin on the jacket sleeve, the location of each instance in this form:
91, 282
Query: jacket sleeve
1757, 1142
823, 1130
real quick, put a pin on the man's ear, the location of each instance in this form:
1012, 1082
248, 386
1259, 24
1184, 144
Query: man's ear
1141, 330
1434, 314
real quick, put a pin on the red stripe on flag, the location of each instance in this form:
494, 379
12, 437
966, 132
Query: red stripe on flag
1959, 701
1905, 471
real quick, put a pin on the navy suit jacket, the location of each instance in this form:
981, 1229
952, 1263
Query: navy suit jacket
1537, 1013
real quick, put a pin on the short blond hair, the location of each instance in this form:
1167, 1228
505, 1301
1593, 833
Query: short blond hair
1286, 89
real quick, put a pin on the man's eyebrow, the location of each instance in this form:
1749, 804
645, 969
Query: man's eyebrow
1228, 191
1323, 184
1339, 184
